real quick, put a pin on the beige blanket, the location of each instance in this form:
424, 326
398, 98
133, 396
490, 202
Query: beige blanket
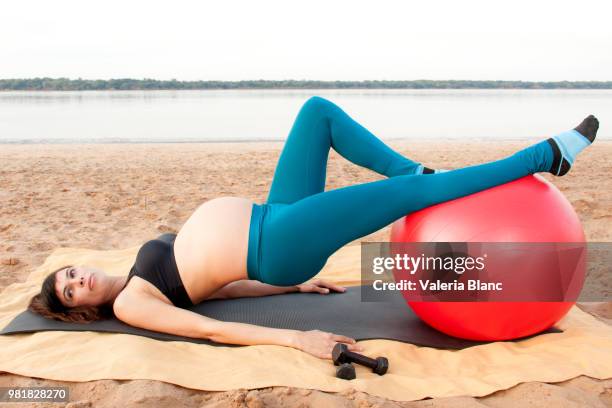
584, 348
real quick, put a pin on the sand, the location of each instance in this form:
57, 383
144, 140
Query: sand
112, 196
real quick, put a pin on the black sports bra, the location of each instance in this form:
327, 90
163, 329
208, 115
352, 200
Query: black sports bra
155, 263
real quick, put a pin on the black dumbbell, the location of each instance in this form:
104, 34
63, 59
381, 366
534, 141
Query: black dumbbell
341, 355
346, 371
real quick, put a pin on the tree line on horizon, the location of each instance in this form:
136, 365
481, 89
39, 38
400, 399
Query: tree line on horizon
66, 84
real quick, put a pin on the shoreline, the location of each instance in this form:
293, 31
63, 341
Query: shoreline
49, 142
94, 84
304, 89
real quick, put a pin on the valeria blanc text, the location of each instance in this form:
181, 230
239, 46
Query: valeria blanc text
437, 285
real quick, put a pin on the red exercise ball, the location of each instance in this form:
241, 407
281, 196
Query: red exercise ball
529, 209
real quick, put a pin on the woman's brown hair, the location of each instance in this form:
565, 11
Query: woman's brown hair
47, 304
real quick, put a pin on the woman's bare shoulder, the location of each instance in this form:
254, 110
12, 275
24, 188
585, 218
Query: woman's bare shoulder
135, 290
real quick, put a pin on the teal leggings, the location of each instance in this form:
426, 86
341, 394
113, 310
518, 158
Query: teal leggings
293, 234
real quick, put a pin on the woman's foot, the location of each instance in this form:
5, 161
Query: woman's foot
588, 127
567, 145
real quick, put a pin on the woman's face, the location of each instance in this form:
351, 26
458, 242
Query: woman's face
81, 286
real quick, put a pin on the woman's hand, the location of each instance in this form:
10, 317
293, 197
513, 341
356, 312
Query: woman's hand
320, 286
320, 344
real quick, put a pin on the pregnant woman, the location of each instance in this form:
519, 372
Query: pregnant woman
232, 247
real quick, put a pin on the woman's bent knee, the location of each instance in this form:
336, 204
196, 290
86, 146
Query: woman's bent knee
318, 104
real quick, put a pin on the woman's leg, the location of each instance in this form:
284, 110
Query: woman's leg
298, 238
319, 125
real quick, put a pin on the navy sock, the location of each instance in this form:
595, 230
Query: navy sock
427, 170
567, 145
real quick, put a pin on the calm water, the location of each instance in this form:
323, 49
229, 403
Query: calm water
184, 116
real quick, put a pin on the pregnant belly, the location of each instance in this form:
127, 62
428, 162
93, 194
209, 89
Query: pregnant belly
211, 247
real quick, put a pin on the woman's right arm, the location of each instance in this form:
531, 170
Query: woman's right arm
147, 312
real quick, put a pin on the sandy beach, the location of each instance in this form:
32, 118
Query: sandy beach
110, 196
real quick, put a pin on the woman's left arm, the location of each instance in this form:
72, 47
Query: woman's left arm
253, 288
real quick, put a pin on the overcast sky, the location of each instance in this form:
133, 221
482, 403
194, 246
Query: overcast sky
307, 39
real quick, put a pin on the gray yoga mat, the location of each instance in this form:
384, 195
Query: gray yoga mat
340, 313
